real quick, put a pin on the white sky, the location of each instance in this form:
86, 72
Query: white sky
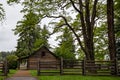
8, 40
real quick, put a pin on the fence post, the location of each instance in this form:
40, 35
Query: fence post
61, 66
83, 67
38, 69
18, 64
5, 68
116, 67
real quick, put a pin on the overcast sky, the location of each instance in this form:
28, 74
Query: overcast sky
8, 40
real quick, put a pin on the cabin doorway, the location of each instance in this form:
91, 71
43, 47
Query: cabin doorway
23, 64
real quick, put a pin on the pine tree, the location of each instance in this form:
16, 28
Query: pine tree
66, 47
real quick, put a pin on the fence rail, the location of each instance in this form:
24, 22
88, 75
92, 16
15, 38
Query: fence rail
98, 67
72, 67
3, 68
79, 67
48, 68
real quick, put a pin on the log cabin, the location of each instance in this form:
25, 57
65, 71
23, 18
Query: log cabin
43, 54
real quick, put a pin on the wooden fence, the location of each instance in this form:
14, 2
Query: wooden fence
98, 67
118, 67
3, 68
49, 68
79, 67
71, 67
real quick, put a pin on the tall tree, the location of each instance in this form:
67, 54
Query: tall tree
28, 32
111, 34
66, 47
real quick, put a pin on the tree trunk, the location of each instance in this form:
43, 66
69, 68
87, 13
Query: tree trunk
87, 22
111, 35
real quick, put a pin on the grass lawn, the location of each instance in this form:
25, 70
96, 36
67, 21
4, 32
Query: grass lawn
9, 74
1, 78
74, 77
77, 77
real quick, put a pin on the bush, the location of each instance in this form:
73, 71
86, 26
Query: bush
12, 61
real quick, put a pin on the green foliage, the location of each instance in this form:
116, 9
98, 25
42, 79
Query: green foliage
3, 54
12, 1
12, 61
117, 18
31, 36
101, 42
117, 27
80, 54
43, 38
28, 32
66, 47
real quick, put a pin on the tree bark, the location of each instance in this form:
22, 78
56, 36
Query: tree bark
88, 27
111, 35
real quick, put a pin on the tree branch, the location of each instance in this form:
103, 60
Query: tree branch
57, 27
87, 17
94, 12
72, 2
65, 5
79, 41
66, 22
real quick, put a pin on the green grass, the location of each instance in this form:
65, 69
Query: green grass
2, 77
73, 77
77, 77
11, 72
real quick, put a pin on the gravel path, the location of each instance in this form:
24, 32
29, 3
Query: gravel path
22, 75
21, 78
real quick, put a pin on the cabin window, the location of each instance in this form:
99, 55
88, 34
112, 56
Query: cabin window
43, 54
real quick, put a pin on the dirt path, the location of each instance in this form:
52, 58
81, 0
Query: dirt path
22, 75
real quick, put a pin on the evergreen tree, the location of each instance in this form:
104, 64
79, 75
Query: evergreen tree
31, 36
28, 32
43, 38
66, 47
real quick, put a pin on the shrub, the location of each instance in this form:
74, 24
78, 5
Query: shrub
12, 61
